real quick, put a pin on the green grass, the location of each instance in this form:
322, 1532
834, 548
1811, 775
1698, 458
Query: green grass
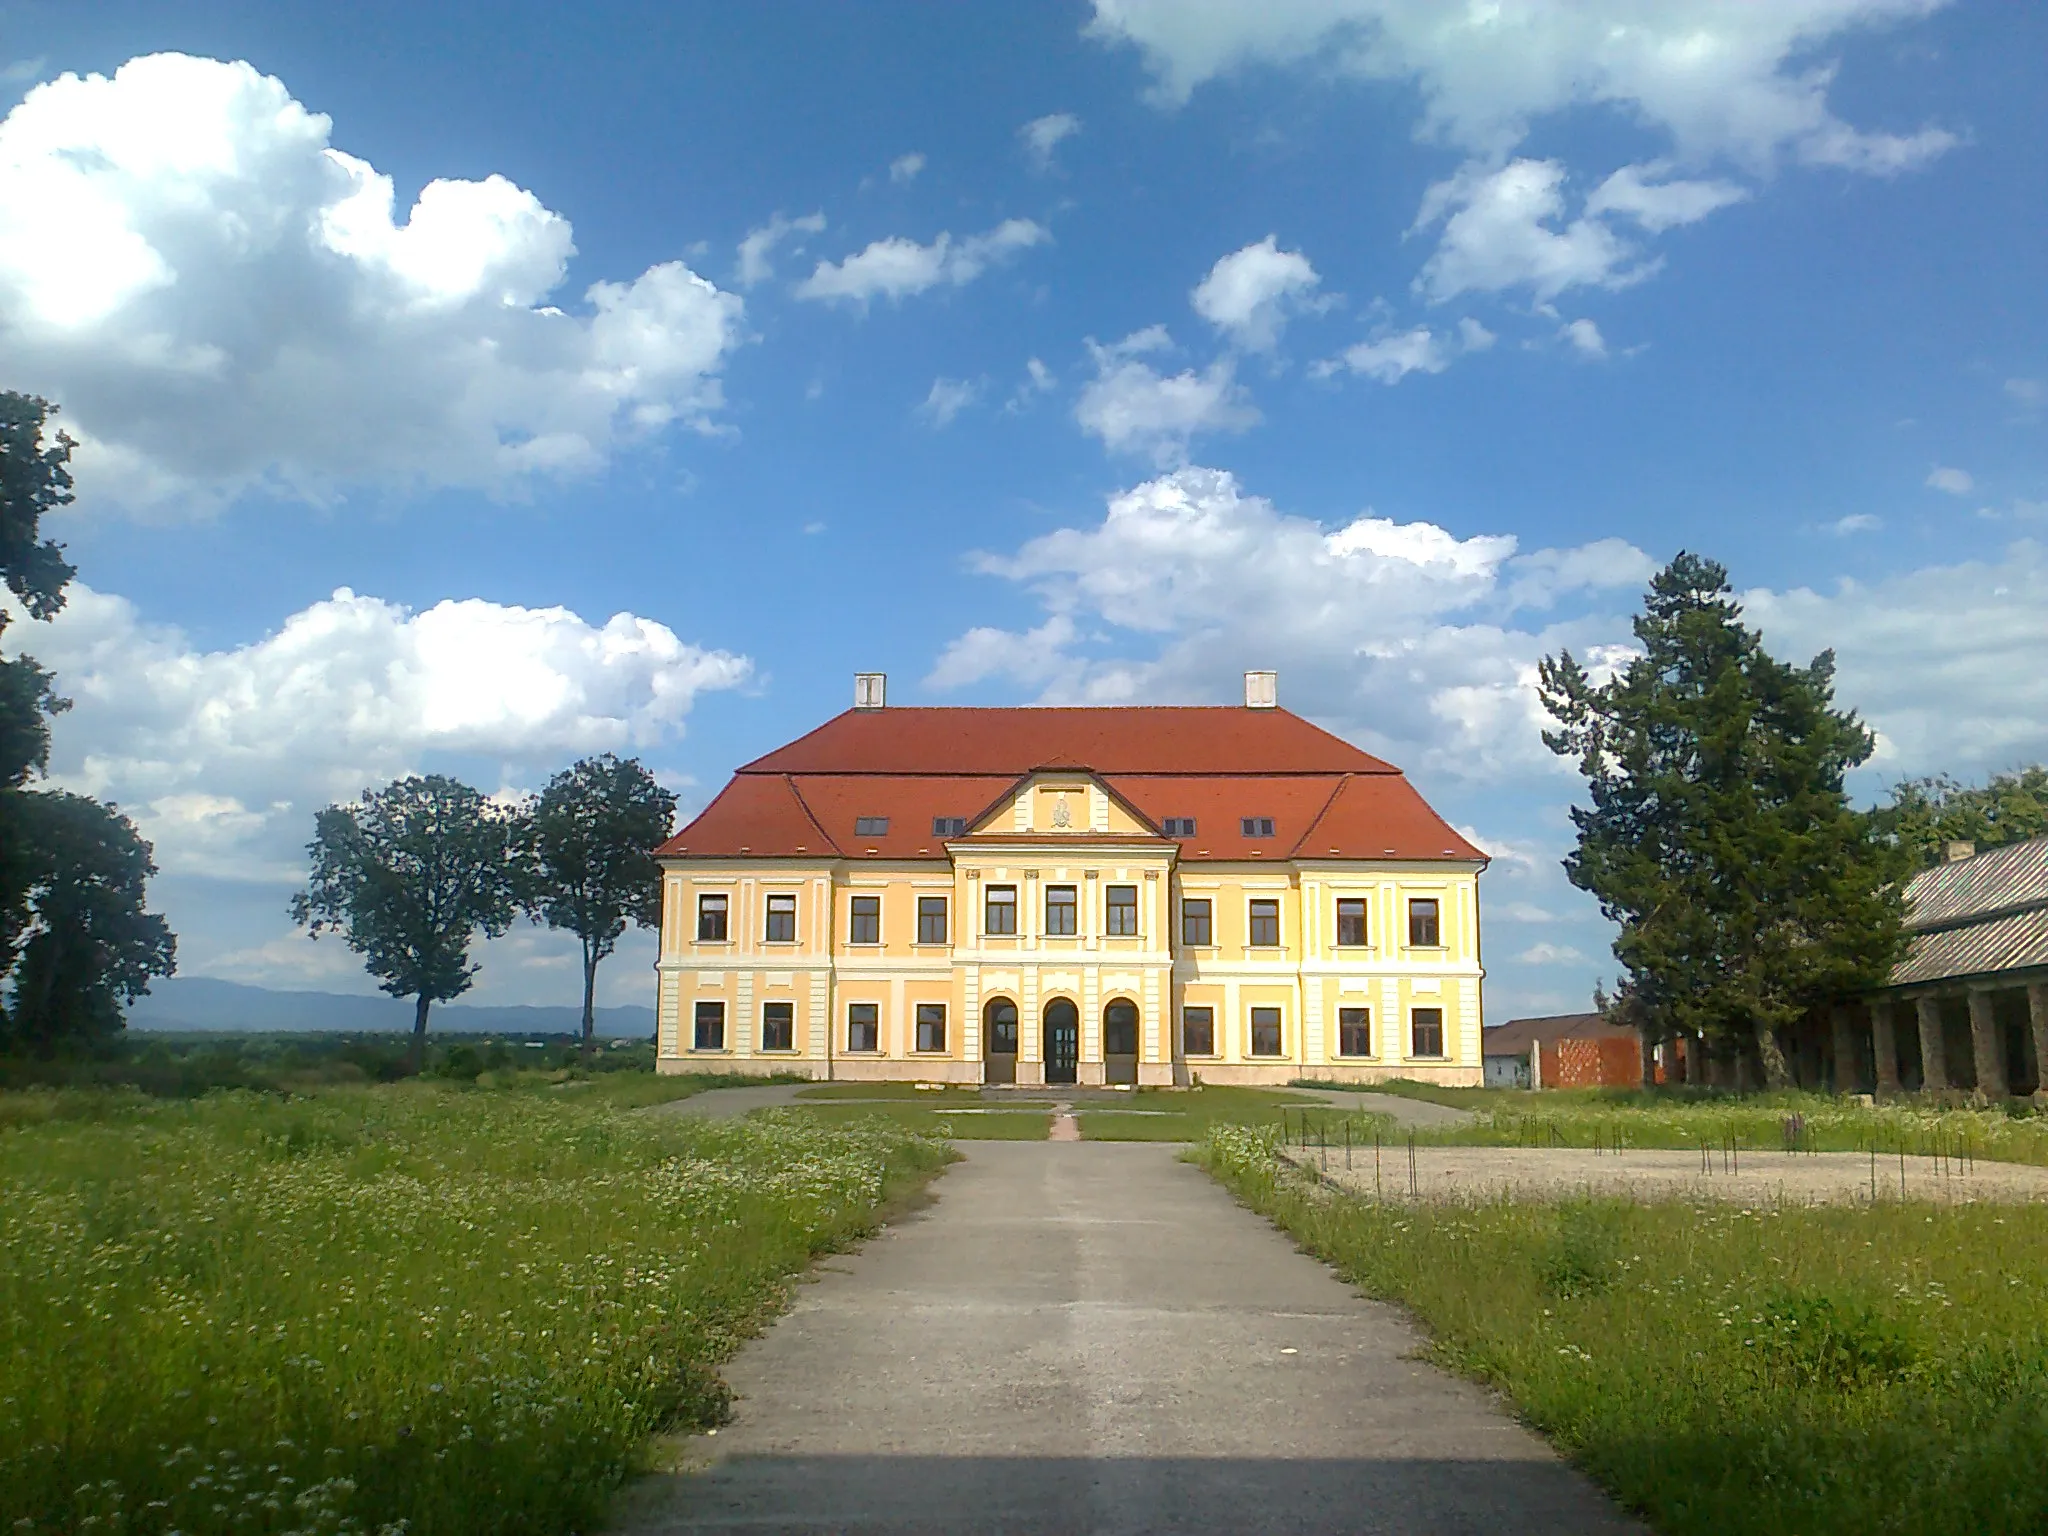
1728, 1372
458, 1309
1185, 1114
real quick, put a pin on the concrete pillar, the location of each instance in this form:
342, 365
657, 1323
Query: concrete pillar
2037, 1015
1847, 1078
1933, 1059
1986, 1045
1884, 1043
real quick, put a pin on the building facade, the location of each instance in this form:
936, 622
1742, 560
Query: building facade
1151, 896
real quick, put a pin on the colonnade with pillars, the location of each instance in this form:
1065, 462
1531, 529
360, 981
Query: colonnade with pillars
1908, 1033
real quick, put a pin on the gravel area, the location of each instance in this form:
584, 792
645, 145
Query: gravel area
1544, 1173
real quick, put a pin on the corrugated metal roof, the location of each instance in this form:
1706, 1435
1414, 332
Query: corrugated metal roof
1979, 916
2003, 944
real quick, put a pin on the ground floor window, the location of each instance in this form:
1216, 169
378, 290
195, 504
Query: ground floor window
1265, 1031
1198, 1030
1428, 1029
863, 1027
710, 1034
1354, 1032
778, 1026
931, 1026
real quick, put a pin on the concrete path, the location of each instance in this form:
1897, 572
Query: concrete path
1092, 1337
729, 1103
1419, 1114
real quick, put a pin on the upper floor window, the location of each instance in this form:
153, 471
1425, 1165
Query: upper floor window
999, 911
711, 915
931, 919
931, 1026
1427, 1026
1423, 931
1257, 826
1178, 826
782, 919
863, 1027
710, 1035
1265, 921
1354, 1031
1196, 930
778, 1026
1062, 911
949, 826
1265, 1031
1121, 911
866, 924
870, 826
1351, 921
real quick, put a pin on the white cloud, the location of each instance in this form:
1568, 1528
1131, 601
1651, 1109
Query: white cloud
1133, 408
1660, 205
1043, 135
1855, 522
1956, 482
2026, 392
1251, 293
897, 268
947, 399
1391, 358
1498, 234
1733, 80
904, 168
1584, 338
1038, 380
223, 756
1551, 954
222, 301
760, 244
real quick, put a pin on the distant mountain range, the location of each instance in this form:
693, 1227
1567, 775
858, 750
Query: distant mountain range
200, 1002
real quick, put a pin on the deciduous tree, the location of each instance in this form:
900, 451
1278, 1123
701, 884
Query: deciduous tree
592, 833
1719, 836
407, 877
1928, 812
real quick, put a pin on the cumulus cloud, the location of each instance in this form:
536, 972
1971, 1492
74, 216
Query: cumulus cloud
223, 756
1043, 135
897, 268
947, 399
1720, 80
760, 244
1134, 408
1038, 380
1583, 337
1392, 357
1956, 482
1854, 523
1551, 954
1502, 229
904, 168
224, 301
1660, 204
1251, 294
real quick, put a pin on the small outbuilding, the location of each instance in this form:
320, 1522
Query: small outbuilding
1567, 1050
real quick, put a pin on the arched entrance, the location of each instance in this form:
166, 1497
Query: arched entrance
999, 1041
1062, 1041
1120, 1042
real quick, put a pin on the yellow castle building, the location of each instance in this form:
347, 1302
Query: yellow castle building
1041, 896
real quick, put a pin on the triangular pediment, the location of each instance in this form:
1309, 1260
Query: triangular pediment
1059, 800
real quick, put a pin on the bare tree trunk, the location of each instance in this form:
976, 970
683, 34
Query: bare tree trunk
1777, 1071
589, 1003
416, 1061
1649, 1060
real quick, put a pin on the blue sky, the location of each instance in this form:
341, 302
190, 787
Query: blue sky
688, 359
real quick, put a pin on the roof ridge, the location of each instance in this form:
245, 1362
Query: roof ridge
811, 815
1343, 781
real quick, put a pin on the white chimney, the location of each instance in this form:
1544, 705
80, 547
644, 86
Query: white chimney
1958, 850
1262, 690
870, 689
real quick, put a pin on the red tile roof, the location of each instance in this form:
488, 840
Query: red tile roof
1326, 798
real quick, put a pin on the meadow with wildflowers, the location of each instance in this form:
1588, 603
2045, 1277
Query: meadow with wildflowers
1724, 1370
416, 1308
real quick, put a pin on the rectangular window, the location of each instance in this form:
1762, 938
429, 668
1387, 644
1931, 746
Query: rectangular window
870, 826
931, 919
1178, 826
1265, 921
1256, 826
1427, 1025
931, 1026
999, 911
711, 913
1265, 1031
710, 1034
781, 919
863, 1028
1062, 910
1195, 927
778, 1026
865, 926
949, 826
1198, 1031
1121, 911
1422, 924
1351, 922
1354, 1031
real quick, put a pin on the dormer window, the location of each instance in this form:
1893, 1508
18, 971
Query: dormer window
949, 826
1257, 826
870, 826
1178, 826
